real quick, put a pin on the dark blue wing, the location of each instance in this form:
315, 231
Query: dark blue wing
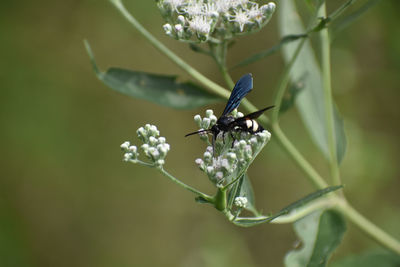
241, 89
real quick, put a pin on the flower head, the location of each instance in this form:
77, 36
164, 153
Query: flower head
200, 19
154, 148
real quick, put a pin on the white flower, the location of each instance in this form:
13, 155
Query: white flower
255, 13
194, 8
242, 18
200, 24
241, 202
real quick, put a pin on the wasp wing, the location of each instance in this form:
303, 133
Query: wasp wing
251, 116
242, 87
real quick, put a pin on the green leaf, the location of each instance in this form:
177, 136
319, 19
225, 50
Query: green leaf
160, 89
252, 221
370, 259
307, 199
310, 102
260, 55
246, 190
320, 233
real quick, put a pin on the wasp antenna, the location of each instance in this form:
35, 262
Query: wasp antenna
197, 132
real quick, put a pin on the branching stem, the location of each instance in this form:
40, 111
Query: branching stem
360, 221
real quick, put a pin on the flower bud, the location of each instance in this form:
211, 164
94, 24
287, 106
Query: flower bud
127, 156
209, 170
206, 123
178, 28
213, 120
207, 157
219, 175
152, 140
241, 202
167, 28
125, 145
180, 19
198, 120
132, 149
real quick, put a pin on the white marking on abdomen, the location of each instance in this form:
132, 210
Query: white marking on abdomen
249, 124
255, 126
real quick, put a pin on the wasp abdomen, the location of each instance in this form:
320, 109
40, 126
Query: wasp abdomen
250, 126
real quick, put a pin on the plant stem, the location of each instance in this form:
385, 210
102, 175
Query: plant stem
301, 212
368, 227
326, 80
360, 221
210, 85
187, 187
220, 59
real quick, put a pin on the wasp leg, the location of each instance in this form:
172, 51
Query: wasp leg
213, 144
233, 139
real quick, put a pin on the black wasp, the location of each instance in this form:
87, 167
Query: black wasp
227, 123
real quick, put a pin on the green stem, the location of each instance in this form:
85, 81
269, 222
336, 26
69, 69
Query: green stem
365, 225
368, 227
326, 79
187, 187
210, 85
220, 58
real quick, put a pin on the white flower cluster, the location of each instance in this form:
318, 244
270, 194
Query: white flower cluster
131, 153
217, 168
198, 20
241, 202
155, 147
205, 123
229, 163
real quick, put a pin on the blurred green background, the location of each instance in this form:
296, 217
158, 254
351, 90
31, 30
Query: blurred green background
66, 197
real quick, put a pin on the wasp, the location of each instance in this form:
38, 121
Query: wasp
226, 123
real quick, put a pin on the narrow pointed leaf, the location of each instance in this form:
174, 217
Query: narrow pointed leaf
160, 89
252, 221
320, 233
310, 102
